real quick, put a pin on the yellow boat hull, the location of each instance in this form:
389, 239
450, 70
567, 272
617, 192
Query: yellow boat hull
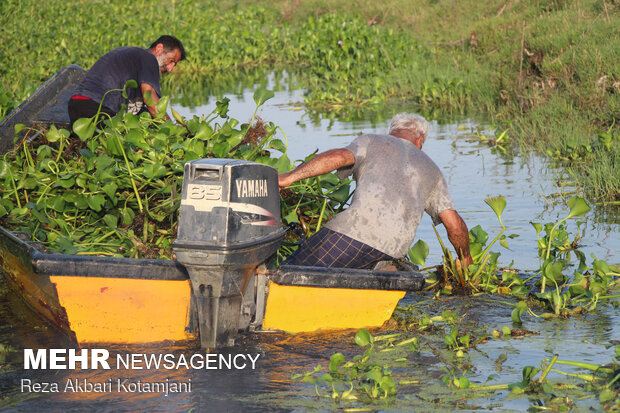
124, 310
298, 309
131, 301
101, 300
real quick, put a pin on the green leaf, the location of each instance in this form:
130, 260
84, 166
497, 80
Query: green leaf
418, 253
374, 375
44, 152
177, 117
363, 337
528, 373
162, 106
129, 84
387, 385
95, 202
110, 220
291, 217
578, 207
66, 181
221, 107
503, 242
127, 216
520, 291
498, 204
463, 383
277, 144
65, 245
283, 165
520, 307
204, 131
538, 227
154, 171
20, 127
341, 194
52, 134
449, 340
606, 396
84, 128
56, 203
327, 377
553, 271
137, 138
4, 169
465, 340
601, 267
335, 360
478, 235
110, 189
221, 149
261, 95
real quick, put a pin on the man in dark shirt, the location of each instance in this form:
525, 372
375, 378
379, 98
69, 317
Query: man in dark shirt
117, 67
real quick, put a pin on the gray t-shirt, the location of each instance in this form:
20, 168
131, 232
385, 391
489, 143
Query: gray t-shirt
115, 68
395, 183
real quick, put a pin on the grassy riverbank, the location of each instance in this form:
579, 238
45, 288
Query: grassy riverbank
547, 71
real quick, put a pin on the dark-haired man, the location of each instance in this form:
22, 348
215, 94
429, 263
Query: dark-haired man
115, 68
395, 184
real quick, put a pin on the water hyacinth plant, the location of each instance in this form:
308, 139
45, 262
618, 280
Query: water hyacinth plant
482, 274
114, 190
570, 294
360, 380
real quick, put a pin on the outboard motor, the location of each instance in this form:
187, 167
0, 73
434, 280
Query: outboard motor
229, 223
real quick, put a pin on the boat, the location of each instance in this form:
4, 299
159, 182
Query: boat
95, 300
212, 290
46, 106
100, 299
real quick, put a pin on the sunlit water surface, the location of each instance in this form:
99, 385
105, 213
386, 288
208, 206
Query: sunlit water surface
473, 173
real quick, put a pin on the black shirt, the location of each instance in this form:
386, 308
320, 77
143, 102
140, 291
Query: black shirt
113, 69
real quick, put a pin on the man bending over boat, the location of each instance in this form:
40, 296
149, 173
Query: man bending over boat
117, 67
395, 183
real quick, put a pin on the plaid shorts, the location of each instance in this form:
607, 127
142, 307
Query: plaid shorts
329, 248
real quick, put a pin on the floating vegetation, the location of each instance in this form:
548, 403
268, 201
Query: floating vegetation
498, 141
590, 380
362, 379
376, 377
567, 295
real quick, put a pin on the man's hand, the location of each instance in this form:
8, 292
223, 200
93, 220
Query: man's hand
465, 262
457, 234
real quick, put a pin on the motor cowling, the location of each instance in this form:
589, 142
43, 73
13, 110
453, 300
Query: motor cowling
229, 223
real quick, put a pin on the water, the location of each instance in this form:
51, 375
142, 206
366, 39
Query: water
473, 172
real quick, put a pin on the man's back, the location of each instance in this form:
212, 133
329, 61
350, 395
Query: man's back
113, 69
395, 183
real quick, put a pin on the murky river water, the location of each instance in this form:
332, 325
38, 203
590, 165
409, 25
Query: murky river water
473, 172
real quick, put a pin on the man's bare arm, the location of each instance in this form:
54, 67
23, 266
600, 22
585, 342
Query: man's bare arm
457, 234
321, 164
